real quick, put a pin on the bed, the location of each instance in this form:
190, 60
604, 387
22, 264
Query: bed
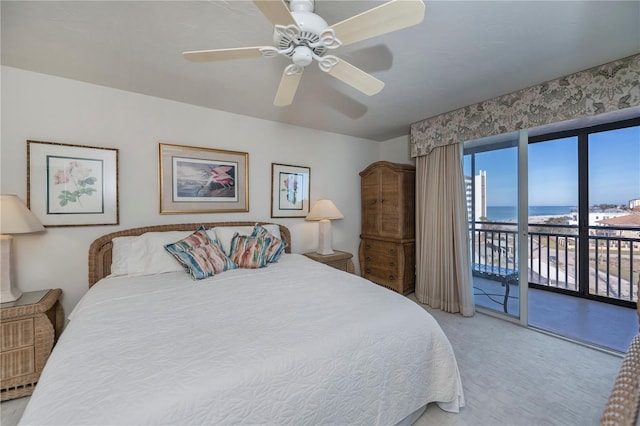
295, 342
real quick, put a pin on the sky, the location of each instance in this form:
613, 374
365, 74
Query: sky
614, 170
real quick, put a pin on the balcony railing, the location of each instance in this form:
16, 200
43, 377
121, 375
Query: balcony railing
553, 253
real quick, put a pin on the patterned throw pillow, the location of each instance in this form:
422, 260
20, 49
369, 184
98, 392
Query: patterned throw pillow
248, 251
200, 256
277, 246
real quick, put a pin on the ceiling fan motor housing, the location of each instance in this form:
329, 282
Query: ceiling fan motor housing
310, 25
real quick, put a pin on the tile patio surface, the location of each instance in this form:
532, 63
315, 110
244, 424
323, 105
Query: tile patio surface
596, 323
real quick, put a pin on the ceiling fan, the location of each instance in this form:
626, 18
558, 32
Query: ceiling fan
303, 36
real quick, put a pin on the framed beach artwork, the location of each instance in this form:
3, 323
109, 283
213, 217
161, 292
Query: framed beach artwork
72, 185
202, 180
289, 190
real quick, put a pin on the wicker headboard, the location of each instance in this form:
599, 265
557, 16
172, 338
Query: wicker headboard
100, 249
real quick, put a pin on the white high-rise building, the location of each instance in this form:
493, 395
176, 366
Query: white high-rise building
480, 187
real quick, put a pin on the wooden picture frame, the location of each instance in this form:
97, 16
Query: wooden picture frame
72, 185
202, 180
290, 190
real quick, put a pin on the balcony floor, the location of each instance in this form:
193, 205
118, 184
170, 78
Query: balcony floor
592, 322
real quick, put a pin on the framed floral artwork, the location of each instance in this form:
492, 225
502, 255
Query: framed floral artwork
289, 190
72, 185
202, 180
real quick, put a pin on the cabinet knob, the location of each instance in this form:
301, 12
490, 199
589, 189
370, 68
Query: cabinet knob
367, 246
392, 278
392, 251
392, 264
368, 258
368, 270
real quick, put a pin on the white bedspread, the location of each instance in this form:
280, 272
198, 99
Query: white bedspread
295, 343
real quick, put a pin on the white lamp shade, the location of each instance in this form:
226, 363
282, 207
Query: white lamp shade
324, 209
16, 218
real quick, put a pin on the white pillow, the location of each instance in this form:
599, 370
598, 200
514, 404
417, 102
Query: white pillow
225, 234
120, 255
145, 254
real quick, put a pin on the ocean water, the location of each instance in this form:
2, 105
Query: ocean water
504, 213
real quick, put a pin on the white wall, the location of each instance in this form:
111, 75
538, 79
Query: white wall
397, 150
45, 108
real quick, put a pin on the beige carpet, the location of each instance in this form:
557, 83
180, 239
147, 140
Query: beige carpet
515, 376
511, 376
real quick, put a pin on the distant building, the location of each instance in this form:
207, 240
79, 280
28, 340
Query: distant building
596, 218
468, 181
478, 184
629, 220
634, 204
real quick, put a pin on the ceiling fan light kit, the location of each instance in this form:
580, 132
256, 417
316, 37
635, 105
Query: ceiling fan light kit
304, 37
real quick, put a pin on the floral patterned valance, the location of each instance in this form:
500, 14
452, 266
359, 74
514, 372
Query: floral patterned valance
610, 87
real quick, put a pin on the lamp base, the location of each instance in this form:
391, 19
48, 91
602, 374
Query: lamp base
324, 237
8, 291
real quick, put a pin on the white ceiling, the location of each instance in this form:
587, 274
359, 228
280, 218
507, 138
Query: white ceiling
462, 53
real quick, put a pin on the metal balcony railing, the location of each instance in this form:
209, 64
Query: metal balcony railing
553, 256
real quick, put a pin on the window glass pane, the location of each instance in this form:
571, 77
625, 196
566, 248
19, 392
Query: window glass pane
491, 177
614, 213
553, 213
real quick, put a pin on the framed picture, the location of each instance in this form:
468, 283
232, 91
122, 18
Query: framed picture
203, 180
72, 185
289, 190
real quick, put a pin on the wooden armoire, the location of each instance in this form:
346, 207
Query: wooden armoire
387, 240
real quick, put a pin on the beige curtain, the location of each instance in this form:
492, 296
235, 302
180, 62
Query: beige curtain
443, 274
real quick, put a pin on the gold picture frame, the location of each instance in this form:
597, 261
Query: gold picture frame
72, 185
202, 180
290, 190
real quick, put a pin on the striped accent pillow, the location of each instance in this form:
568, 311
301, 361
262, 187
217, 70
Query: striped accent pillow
248, 251
277, 246
201, 256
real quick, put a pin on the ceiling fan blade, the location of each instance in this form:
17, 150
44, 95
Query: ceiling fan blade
287, 89
388, 17
276, 11
223, 54
356, 78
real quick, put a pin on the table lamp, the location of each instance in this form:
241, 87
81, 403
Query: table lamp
324, 211
15, 218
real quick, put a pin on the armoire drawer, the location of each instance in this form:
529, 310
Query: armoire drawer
380, 247
372, 259
379, 273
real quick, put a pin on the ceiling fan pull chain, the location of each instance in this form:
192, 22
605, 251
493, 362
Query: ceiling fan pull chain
327, 39
293, 69
290, 32
327, 62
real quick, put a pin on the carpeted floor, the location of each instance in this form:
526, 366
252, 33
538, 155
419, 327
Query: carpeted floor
511, 376
515, 376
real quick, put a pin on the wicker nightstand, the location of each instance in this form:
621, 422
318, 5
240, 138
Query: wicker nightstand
29, 327
339, 260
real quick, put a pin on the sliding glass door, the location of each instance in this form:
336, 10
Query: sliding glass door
588, 242
612, 231
491, 167
554, 229
584, 250
553, 213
